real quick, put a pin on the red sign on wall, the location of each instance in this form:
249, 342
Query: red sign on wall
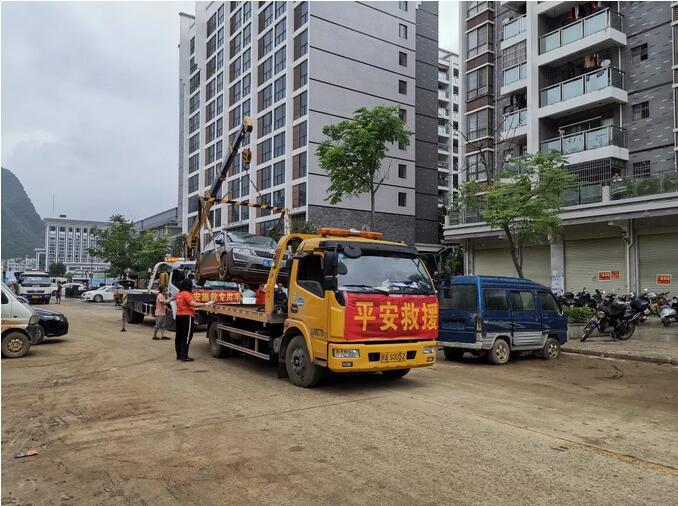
663, 279
604, 275
218, 296
615, 275
387, 316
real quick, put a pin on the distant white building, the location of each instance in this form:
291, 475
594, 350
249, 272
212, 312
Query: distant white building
68, 241
19, 264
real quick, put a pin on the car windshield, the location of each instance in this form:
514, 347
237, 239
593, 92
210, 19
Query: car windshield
258, 240
383, 273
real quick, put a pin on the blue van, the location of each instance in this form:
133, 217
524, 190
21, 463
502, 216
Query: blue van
497, 316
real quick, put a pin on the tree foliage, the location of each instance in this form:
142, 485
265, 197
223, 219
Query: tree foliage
57, 270
525, 204
354, 149
125, 248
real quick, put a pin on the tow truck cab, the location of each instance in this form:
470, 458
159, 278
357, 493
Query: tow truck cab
355, 304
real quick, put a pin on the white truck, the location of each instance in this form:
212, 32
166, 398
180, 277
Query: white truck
35, 286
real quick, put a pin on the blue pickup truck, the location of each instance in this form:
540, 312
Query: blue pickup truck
497, 316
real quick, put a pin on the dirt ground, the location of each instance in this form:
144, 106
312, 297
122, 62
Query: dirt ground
117, 420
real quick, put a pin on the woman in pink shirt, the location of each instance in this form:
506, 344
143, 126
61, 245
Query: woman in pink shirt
160, 314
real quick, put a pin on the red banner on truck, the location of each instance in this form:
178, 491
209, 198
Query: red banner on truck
218, 296
387, 316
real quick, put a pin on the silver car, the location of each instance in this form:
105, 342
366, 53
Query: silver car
237, 256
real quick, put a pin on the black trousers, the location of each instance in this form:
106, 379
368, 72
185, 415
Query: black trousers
183, 335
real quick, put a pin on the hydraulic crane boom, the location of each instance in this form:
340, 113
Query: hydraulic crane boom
192, 248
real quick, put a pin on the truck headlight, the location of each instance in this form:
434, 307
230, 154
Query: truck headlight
339, 353
428, 350
33, 319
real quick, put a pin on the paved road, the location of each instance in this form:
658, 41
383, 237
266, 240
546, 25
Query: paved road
118, 421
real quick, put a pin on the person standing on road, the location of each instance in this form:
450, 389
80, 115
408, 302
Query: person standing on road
58, 292
184, 322
160, 314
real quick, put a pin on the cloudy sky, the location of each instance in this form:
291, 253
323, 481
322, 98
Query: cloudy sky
90, 103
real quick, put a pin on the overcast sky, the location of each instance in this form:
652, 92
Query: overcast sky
90, 103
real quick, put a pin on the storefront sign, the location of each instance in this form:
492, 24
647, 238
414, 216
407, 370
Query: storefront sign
663, 279
615, 275
387, 316
604, 275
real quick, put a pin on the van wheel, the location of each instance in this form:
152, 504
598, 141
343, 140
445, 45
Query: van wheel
551, 349
453, 353
15, 345
216, 349
395, 373
500, 353
301, 371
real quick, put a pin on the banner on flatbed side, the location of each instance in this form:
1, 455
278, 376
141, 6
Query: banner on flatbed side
387, 316
218, 296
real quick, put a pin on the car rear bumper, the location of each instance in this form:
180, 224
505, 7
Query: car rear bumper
373, 356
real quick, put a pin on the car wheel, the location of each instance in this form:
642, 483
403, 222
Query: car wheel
395, 373
98, 298
301, 371
39, 335
15, 345
500, 353
551, 349
453, 353
223, 268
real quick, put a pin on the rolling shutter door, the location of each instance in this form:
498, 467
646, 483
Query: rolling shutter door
658, 254
584, 259
498, 262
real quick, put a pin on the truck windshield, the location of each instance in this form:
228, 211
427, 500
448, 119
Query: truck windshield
35, 280
383, 273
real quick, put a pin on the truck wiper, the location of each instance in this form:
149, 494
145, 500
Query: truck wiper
367, 287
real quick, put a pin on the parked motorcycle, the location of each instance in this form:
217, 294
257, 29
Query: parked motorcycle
617, 318
668, 310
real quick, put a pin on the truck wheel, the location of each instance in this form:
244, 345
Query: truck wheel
39, 336
132, 316
453, 353
301, 371
551, 349
500, 352
395, 373
217, 350
98, 298
15, 345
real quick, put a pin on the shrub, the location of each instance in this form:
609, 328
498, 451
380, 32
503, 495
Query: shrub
578, 314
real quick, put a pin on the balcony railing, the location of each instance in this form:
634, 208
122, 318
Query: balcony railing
515, 73
578, 86
583, 141
639, 186
443, 76
445, 95
596, 22
443, 147
515, 27
515, 119
443, 112
443, 166
443, 130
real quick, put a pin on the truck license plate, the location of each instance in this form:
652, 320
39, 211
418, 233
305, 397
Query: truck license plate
396, 356
268, 263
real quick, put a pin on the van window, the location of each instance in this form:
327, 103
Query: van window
548, 302
495, 299
5, 300
459, 298
522, 301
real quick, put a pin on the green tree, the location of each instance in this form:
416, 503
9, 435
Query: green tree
524, 204
354, 149
125, 248
57, 270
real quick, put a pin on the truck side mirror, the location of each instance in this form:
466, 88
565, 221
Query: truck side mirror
330, 264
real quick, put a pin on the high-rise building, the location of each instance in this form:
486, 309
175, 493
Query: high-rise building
165, 223
595, 81
448, 130
68, 241
295, 67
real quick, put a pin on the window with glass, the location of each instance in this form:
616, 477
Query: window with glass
234, 117
235, 69
280, 31
299, 165
211, 24
266, 44
402, 170
548, 303
264, 178
266, 17
300, 105
478, 82
265, 200
220, 82
210, 132
266, 97
194, 123
301, 75
193, 163
234, 92
246, 84
279, 173
280, 59
247, 35
300, 15
236, 21
220, 37
475, 8
264, 151
402, 199
299, 135
265, 124
220, 104
479, 124
246, 108
246, 11
279, 144
193, 183
479, 40
402, 31
402, 59
279, 198
246, 60
514, 55
194, 103
402, 6
265, 70
211, 68
194, 143
193, 204
280, 8
476, 165
641, 110
195, 82
299, 195
279, 89
220, 15
301, 44
279, 117
211, 47
220, 127
244, 185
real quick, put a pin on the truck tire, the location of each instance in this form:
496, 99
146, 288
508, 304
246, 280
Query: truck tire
453, 353
132, 316
300, 369
500, 353
395, 373
15, 344
216, 349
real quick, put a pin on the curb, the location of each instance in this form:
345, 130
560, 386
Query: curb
623, 356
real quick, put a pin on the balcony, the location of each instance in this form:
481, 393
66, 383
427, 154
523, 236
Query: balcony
444, 77
443, 112
514, 124
597, 31
443, 166
513, 29
603, 142
444, 95
600, 87
514, 79
443, 130
443, 147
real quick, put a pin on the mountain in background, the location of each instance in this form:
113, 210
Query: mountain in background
22, 228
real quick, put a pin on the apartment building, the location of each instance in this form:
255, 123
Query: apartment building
595, 81
448, 130
295, 67
68, 241
165, 223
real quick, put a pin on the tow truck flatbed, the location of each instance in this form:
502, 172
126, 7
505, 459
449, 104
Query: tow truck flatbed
254, 312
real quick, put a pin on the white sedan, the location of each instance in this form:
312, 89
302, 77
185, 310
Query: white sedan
105, 293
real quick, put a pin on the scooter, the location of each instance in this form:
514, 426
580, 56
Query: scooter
668, 313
